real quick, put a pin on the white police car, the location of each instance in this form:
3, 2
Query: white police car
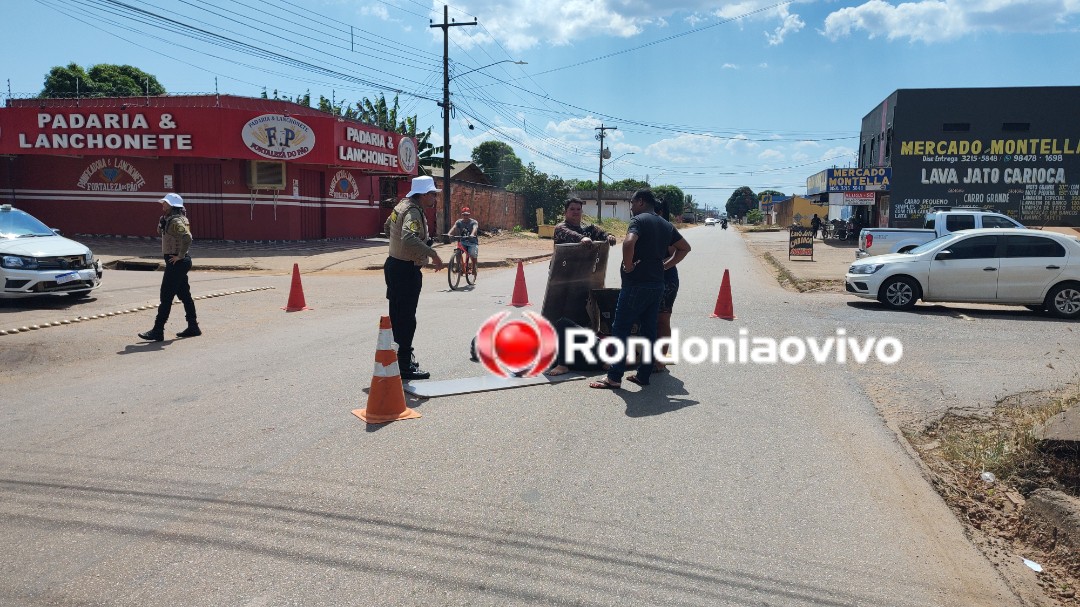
35, 260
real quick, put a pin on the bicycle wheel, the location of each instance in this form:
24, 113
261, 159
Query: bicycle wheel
453, 270
470, 271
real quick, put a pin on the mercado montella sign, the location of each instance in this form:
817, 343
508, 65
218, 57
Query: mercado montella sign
1034, 179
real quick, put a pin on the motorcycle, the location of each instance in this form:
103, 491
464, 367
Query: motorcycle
723, 224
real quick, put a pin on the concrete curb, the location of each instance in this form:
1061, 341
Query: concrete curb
1057, 514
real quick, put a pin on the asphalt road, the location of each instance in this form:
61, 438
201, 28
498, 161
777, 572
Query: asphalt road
228, 470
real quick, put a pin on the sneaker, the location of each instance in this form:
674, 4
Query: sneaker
191, 331
153, 335
414, 372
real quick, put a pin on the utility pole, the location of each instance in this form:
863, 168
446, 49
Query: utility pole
446, 25
600, 181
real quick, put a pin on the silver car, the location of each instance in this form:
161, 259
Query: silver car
35, 260
1036, 269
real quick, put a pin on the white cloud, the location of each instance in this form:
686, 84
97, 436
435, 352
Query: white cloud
729, 66
376, 10
741, 144
524, 24
771, 155
684, 148
932, 21
790, 24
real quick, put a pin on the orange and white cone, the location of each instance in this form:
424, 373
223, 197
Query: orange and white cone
386, 398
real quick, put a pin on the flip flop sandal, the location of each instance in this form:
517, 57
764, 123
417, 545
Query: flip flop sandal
605, 385
634, 380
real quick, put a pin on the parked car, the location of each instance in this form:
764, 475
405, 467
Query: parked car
1032, 268
35, 260
879, 241
711, 221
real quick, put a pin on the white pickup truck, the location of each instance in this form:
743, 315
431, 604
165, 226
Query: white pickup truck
880, 241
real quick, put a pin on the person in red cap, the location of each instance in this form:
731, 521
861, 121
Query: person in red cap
469, 228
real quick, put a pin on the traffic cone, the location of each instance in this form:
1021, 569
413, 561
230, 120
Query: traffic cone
724, 309
521, 294
386, 398
296, 293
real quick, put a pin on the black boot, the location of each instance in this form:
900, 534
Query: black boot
192, 330
155, 334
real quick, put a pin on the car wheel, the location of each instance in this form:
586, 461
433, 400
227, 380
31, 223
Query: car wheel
899, 293
1063, 300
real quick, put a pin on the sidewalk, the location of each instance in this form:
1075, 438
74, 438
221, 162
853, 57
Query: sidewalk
348, 255
831, 260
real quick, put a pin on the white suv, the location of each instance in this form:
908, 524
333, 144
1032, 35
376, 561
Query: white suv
35, 260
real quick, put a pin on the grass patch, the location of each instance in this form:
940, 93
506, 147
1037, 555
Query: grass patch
1005, 445
787, 279
958, 450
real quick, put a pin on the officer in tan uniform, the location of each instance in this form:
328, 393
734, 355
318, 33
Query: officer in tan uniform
175, 230
410, 248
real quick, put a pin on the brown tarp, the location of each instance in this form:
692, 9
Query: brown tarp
575, 270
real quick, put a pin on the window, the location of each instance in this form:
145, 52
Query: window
977, 247
954, 223
1032, 246
888, 143
1016, 126
990, 221
956, 127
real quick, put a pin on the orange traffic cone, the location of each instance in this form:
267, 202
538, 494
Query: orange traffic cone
521, 294
386, 398
724, 309
296, 293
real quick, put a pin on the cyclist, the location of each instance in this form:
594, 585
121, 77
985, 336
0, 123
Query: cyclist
469, 228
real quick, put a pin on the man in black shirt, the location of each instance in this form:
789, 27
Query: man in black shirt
645, 250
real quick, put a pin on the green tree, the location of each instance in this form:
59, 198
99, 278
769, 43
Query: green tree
540, 192
626, 185
672, 197
498, 161
754, 216
101, 80
740, 202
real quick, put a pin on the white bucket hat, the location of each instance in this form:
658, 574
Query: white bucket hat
174, 200
422, 185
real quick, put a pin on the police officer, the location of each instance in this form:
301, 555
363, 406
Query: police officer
410, 248
175, 231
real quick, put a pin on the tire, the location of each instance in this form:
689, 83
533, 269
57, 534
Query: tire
1063, 300
470, 273
453, 271
900, 293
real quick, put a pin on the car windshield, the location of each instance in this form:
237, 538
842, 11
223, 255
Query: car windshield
926, 246
17, 224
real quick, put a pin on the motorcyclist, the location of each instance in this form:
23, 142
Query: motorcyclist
723, 223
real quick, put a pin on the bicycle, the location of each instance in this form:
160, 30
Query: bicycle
460, 265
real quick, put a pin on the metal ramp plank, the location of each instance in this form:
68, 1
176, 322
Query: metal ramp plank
486, 383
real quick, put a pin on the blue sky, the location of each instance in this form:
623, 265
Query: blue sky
705, 95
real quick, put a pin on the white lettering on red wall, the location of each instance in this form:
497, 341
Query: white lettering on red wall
344, 186
365, 155
120, 131
111, 175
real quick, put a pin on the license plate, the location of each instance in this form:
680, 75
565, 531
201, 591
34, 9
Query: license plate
67, 277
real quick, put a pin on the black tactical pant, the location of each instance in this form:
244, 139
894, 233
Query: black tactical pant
403, 285
175, 284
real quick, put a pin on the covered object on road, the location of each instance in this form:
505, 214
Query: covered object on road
248, 169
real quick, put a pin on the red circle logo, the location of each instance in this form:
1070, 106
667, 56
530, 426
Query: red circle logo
521, 348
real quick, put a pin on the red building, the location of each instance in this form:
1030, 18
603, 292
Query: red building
248, 169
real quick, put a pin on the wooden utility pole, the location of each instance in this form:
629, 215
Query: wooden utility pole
444, 225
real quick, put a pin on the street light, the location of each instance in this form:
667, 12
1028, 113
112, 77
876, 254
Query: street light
446, 133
